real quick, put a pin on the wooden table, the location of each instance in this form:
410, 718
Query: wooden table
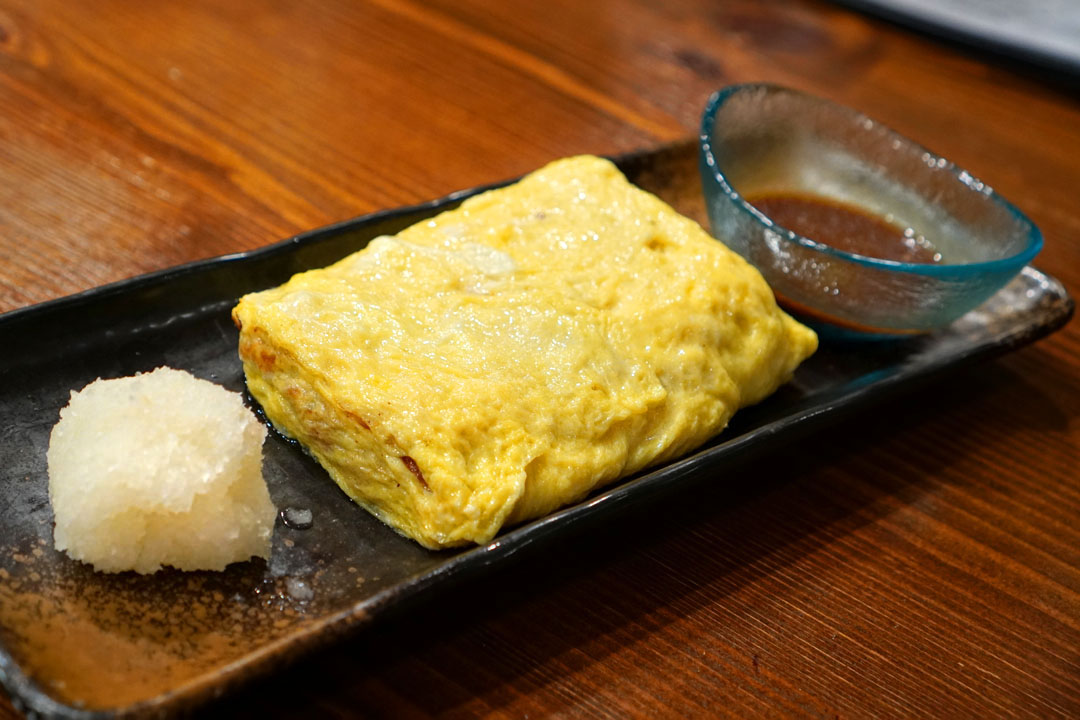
921, 562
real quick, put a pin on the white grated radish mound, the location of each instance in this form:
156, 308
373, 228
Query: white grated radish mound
159, 469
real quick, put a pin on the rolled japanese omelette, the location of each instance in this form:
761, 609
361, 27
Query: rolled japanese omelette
509, 356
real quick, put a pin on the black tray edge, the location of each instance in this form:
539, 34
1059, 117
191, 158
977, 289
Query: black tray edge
29, 698
32, 700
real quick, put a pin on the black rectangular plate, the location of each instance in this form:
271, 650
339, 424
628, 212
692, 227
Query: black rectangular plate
77, 644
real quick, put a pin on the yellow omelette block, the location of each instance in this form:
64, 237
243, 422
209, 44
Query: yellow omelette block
509, 356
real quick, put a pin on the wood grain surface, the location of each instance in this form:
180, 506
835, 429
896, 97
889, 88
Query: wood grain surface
921, 562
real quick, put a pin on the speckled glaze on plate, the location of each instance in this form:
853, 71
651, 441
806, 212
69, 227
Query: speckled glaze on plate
76, 644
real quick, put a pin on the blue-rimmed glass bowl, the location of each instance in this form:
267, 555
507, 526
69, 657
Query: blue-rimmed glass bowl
759, 140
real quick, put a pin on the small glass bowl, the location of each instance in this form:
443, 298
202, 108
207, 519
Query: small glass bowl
764, 139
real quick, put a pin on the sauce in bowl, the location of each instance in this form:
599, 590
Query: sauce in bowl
849, 228
846, 227
788, 153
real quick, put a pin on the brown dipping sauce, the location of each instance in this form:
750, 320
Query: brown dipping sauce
851, 229
845, 227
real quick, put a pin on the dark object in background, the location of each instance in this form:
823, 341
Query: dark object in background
1044, 32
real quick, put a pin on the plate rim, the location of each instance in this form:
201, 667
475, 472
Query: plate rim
27, 696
